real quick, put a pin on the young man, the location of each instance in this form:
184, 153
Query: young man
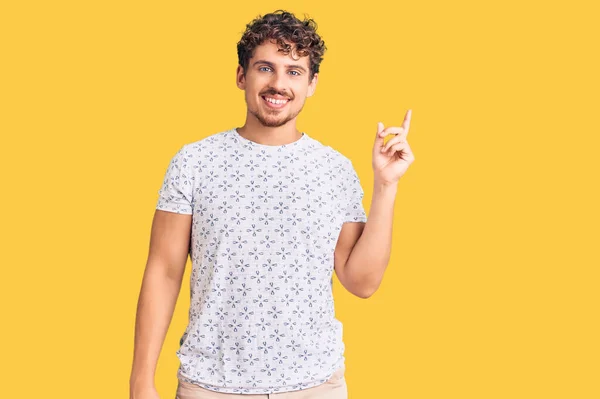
267, 214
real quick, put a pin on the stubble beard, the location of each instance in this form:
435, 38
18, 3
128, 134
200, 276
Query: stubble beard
270, 122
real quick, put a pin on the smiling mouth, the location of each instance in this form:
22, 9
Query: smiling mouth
275, 102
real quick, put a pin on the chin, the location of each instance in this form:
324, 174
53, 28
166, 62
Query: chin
273, 123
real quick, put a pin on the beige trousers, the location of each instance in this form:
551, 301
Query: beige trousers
334, 388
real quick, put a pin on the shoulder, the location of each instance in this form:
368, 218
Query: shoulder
210, 142
338, 156
340, 162
329, 154
191, 155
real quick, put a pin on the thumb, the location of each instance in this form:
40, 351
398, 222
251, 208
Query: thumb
378, 139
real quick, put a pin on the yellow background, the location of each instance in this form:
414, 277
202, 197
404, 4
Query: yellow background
492, 288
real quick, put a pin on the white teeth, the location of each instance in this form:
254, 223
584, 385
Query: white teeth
274, 101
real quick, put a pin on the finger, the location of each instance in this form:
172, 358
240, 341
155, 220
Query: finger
378, 138
399, 138
407, 118
397, 147
406, 155
391, 130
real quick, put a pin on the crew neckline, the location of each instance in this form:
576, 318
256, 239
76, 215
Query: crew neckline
254, 144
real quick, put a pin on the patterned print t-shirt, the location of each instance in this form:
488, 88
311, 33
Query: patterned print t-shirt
265, 223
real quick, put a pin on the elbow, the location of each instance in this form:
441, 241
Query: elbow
364, 294
367, 290
361, 286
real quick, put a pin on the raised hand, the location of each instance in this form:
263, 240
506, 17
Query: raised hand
392, 159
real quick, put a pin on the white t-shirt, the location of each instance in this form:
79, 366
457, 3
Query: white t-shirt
265, 224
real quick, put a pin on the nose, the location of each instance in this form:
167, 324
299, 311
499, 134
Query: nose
279, 82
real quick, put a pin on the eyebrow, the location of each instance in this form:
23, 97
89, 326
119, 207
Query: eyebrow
272, 65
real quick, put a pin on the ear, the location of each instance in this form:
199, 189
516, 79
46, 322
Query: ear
240, 78
313, 85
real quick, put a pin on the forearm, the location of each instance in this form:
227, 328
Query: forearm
156, 304
370, 256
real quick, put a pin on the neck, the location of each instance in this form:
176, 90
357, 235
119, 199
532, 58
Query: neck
255, 131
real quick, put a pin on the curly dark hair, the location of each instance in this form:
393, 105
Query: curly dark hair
283, 26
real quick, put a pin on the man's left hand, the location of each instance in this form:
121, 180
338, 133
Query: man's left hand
392, 159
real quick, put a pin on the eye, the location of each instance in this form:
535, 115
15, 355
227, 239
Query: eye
263, 68
297, 73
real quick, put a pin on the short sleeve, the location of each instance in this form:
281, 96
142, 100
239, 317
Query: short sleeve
354, 210
175, 194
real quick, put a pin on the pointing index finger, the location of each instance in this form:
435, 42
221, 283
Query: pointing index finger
406, 124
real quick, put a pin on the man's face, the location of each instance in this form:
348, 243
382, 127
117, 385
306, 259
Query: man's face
275, 76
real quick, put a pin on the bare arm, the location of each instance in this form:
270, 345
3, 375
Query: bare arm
363, 249
169, 246
349, 235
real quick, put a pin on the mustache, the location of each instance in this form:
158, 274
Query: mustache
275, 93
